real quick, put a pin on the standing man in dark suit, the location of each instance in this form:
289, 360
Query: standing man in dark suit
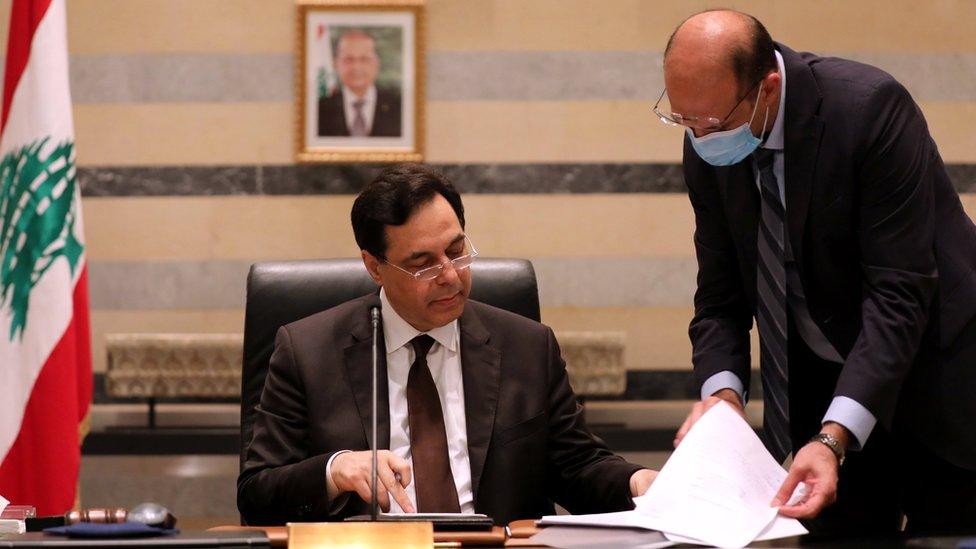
823, 209
476, 411
358, 108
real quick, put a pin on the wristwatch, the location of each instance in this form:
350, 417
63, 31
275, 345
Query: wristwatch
831, 442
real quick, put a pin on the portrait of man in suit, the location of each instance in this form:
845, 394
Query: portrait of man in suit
358, 107
476, 413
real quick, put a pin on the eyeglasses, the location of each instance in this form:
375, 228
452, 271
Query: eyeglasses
458, 263
708, 123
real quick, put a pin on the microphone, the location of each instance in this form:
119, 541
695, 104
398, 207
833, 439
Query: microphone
374, 313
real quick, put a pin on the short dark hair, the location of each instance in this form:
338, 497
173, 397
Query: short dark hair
751, 61
392, 197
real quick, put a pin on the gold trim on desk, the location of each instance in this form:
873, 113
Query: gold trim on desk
321, 535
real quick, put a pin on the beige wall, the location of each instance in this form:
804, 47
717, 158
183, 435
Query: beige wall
646, 229
478, 131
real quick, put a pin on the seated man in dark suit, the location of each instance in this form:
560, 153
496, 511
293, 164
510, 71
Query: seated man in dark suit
476, 412
358, 108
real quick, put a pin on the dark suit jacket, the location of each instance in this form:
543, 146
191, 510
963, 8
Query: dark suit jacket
885, 251
527, 441
386, 118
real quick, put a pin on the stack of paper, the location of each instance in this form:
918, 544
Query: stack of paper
9, 526
582, 537
714, 490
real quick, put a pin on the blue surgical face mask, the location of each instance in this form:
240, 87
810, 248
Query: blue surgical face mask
731, 146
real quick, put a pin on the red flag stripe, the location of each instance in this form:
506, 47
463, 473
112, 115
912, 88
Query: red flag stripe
41, 467
25, 16
82, 334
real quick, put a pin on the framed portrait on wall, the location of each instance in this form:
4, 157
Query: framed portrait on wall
359, 86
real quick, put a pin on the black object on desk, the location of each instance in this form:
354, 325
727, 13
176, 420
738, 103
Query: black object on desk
223, 540
38, 524
442, 523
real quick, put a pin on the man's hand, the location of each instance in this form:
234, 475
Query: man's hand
640, 481
352, 472
701, 407
816, 466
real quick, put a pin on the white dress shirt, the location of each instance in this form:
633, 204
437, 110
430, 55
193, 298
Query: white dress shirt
444, 361
369, 107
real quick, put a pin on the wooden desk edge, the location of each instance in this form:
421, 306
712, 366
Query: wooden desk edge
278, 536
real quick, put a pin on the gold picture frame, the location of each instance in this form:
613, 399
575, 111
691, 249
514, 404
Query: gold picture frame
359, 81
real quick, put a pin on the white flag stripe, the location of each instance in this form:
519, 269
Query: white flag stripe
41, 104
41, 108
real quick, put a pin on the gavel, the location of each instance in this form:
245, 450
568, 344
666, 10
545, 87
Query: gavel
108, 515
152, 514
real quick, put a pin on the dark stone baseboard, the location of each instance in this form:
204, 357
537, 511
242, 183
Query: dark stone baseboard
304, 179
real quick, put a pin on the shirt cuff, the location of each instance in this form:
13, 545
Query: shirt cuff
337, 500
722, 380
852, 416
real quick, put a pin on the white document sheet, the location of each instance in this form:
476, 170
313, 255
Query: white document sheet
620, 519
717, 485
781, 527
3, 504
579, 537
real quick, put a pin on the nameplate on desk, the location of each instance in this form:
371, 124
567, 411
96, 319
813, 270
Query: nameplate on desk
313, 535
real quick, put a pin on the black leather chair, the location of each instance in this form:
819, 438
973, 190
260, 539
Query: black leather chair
282, 292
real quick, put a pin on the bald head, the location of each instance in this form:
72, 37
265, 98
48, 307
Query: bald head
720, 71
719, 44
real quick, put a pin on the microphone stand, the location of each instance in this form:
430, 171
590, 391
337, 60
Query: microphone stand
375, 506
440, 522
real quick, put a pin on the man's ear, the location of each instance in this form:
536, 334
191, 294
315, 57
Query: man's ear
771, 84
372, 264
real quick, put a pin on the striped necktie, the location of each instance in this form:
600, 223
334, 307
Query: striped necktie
359, 122
771, 313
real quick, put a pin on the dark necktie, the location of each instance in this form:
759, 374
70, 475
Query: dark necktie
359, 122
771, 314
433, 480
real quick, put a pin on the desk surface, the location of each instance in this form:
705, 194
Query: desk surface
522, 530
200, 540
229, 537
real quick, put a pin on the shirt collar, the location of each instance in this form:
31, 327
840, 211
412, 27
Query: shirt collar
350, 97
775, 139
397, 332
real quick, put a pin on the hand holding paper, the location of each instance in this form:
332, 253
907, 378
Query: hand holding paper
717, 486
715, 489
700, 407
816, 466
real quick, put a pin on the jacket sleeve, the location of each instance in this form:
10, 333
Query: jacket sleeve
582, 474
280, 481
719, 330
896, 234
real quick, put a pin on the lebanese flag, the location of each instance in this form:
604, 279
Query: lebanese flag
45, 355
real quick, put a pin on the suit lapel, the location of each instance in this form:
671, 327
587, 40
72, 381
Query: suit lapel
359, 369
481, 375
803, 131
738, 184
